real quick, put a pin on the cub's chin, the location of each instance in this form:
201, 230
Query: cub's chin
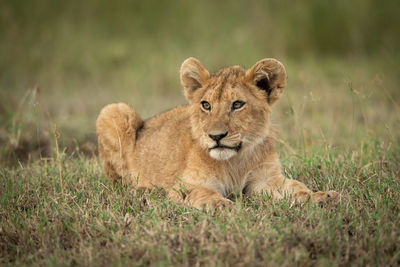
222, 153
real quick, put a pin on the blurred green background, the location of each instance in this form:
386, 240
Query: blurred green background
61, 61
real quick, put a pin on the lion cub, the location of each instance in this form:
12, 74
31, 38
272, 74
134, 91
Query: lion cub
219, 143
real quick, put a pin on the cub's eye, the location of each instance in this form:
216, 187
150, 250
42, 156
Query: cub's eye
206, 105
237, 104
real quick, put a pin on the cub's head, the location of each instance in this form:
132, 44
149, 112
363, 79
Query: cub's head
230, 109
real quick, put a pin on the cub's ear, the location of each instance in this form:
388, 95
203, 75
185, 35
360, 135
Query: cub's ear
268, 75
193, 76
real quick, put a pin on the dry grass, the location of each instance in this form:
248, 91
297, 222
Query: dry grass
86, 220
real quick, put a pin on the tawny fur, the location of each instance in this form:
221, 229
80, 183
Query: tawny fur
175, 150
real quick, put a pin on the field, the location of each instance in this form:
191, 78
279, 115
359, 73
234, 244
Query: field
338, 124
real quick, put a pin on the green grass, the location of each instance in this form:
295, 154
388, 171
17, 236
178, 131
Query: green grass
82, 218
338, 124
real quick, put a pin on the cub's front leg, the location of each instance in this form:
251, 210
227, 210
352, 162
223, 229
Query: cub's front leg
197, 196
197, 184
201, 196
272, 181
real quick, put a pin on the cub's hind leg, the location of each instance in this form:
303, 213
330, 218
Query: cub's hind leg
116, 127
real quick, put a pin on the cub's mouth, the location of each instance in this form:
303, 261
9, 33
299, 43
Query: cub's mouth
220, 146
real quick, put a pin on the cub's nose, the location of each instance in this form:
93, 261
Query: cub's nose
217, 137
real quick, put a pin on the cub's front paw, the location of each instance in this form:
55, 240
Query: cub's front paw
219, 203
215, 203
330, 198
302, 197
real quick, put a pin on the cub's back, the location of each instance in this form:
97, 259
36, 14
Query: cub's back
162, 144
